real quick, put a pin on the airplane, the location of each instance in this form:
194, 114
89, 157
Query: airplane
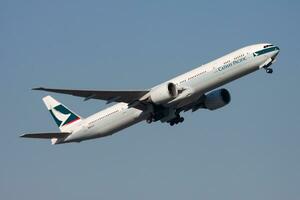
193, 90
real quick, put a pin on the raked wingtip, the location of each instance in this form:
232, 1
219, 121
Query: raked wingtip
38, 88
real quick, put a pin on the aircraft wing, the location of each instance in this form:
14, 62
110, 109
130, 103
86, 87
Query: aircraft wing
109, 96
46, 135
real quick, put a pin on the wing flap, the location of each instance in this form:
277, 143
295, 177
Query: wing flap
109, 96
46, 135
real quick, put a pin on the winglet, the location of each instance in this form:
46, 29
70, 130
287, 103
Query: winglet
38, 88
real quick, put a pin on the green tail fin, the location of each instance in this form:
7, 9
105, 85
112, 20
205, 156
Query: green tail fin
60, 113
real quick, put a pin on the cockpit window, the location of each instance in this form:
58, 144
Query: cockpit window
269, 45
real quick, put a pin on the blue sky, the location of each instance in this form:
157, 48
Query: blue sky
246, 150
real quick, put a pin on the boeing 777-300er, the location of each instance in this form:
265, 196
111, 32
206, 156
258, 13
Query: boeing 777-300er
164, 102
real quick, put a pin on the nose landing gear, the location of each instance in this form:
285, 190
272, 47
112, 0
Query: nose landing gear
267, 65
269, 70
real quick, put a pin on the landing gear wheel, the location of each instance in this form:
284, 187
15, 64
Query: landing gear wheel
269, 70
176, 121
181, 119
149, 120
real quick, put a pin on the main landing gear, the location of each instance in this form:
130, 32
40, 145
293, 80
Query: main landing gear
149, 120
172, 122
176, 120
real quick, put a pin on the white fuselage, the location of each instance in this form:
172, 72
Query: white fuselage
197, 81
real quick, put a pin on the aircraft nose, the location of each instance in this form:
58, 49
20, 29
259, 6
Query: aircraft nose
276, 52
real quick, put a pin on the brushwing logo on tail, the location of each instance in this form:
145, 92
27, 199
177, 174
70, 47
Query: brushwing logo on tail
62, 115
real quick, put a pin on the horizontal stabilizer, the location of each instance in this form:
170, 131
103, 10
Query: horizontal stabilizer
46, 135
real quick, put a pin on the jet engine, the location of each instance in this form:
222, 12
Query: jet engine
163, 93
217, 99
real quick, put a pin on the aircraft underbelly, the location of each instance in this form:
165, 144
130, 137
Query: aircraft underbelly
113, 124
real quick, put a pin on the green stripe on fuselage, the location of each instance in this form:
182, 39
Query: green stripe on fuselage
264, 51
